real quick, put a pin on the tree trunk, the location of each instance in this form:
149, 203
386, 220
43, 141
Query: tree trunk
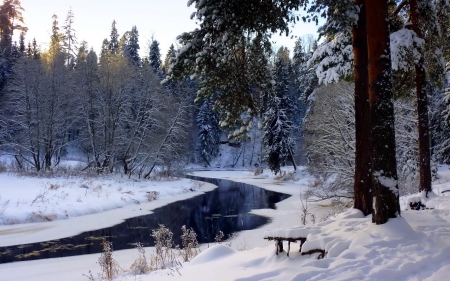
422, 106
384, 167
291, 156
363, 152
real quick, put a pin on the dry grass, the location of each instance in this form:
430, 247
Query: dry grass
283, 176
54, 186
140, 265
39, 216
190, 244
152, 195
258, 171
109, 266
3, 205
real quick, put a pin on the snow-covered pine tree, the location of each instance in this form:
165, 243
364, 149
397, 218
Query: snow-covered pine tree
114, 39
425, 64
277, 127
10, 19
70, 39
208, 131
218, 53
155, 56
169, 56
129, 45
104, 51
277, 124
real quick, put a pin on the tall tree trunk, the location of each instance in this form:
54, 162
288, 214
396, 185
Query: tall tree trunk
291, 156
422, 106
363, 152
384, 167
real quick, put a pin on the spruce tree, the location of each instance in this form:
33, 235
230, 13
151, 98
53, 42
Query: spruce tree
114, 39
277, 142
208, 131
130, 46
277, 124
218, 53
70, 39
22, 46
155, 56
169, 56
105, 52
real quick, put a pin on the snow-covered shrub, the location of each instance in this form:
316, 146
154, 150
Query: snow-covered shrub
190, 244
109, 266
140, 265
219, 237
152, 195
164, 255
330, 141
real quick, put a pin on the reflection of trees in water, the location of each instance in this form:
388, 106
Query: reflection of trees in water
223, 209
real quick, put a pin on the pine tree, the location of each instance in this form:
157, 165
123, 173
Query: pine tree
35, 50
129, 45
105, 52
70, 39
10, 19
277, 124
22, 46
218, 53
169, 56
114, 39
208, 131
155, 56
277, 127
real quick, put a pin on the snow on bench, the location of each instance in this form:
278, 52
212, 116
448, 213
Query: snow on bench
299, 233
419, 201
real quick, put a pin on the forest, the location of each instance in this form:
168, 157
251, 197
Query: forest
350, 129
227, 86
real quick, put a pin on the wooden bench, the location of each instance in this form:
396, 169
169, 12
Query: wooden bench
279, 246
279, 243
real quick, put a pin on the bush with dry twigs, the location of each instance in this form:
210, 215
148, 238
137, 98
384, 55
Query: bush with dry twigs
190, 244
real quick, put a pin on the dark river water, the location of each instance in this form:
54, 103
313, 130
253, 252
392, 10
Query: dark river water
223, 209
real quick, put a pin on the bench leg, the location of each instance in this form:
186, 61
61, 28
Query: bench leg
289, 248
280, 245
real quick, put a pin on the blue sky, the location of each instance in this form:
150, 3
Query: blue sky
164, 19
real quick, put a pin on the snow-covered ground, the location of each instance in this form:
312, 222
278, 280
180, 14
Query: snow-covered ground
38, 209
413, 247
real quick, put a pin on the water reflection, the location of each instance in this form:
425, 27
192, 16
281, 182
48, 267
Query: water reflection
223, 209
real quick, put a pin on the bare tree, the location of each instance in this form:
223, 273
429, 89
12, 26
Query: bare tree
38, 111
330, 140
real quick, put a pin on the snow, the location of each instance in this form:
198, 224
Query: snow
412, 247
402, 42
30, 208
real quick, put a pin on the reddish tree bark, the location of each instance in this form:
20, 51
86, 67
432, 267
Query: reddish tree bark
385, 187
363, 151
422, 106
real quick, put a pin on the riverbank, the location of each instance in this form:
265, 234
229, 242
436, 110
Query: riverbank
41, 209
414, 247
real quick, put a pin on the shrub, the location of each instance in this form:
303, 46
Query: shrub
140, 265
152, 195
108, 265
164, 255
190, 244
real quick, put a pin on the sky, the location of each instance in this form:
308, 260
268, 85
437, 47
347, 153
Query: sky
162, 19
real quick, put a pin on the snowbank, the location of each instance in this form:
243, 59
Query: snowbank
413, 247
